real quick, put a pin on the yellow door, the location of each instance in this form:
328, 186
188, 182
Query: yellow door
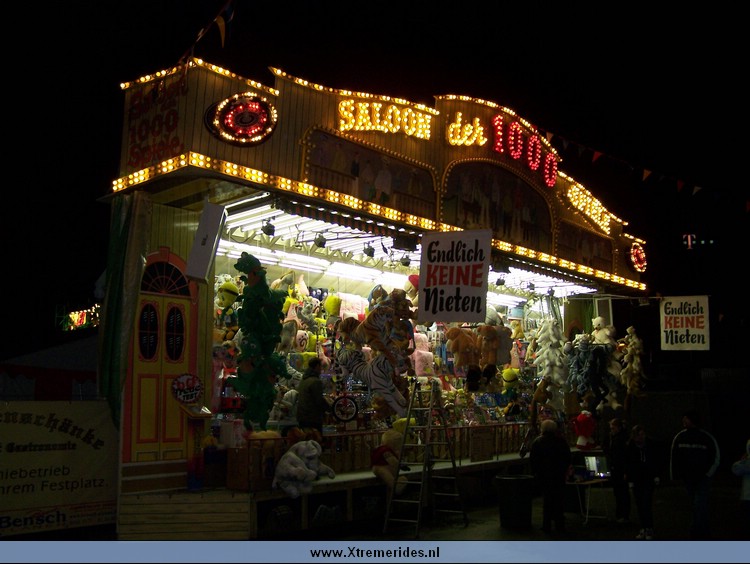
160, 354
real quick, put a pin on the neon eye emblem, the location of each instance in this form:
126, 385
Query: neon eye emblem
638, 257
243, 120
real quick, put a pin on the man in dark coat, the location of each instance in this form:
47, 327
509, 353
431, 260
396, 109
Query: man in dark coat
694, 460
616, 455
550, 460
311, 404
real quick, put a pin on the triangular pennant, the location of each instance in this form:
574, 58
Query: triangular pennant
549, 137
565, 144
680, 185
696, 189
222, 28
597, 154
646, 173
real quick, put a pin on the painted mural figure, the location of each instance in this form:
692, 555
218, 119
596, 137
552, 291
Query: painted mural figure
367, 181
383, 182
354, 171
339, 163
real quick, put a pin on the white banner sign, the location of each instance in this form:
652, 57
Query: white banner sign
684, 323
58, 466
453, 276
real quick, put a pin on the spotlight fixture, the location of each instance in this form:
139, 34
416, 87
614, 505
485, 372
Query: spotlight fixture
268, 228
531, 286
500, 282
405, 261
500, 267
320, 241
369, 250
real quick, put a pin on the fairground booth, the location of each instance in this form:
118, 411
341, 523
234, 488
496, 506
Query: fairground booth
323, 198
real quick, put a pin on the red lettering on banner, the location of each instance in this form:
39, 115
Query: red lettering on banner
152, 122
684, 322
455, 275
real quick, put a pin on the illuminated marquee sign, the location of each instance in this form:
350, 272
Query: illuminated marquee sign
516, 142
466, 134
512, 139
391, 118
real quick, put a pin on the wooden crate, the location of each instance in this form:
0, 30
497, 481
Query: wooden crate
251, 468
482, 444
350, 452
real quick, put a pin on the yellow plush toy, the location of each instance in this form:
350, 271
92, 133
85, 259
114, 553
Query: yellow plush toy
332, 307
510, 381
518, 333
385, 461
227, 321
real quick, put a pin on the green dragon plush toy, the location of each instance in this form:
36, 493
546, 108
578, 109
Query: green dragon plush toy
260, 318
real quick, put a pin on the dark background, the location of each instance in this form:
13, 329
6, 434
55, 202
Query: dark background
644, 109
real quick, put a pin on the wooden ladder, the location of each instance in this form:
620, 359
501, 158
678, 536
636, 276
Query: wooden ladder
426, 433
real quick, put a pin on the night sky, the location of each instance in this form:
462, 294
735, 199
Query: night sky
626, 96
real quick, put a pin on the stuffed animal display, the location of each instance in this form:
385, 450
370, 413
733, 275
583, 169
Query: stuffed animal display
385, 461
226, 318
464, 345
259, 365
299, 467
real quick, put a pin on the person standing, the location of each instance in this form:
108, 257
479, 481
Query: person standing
550, 460
616, 455
741, 467
311, 404
642, 473
694, 458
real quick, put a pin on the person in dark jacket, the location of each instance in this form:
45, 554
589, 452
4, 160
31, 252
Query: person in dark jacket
694, 458
311, 404
615, 451
642, 466
550, 460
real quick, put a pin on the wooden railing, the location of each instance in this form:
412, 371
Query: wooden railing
252, 467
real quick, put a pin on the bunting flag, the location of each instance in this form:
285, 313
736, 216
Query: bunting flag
645, 173
223, 21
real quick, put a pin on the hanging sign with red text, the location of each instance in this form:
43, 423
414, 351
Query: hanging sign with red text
453, 276
684, 323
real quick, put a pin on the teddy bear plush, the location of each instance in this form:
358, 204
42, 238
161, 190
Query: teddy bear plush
299, 467
463, 343
490, 343
385, 461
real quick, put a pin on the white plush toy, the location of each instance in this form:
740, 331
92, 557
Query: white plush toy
299, 467
602, 334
